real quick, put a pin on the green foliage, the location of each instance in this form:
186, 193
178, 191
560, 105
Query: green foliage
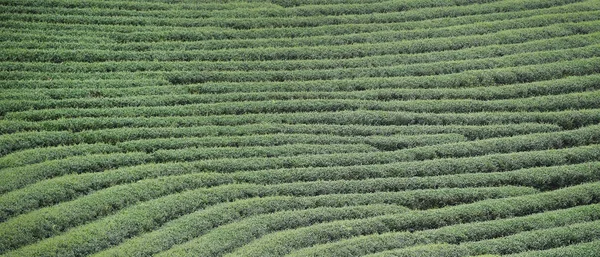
587, 100
280, 243
300, 127
372, 37
581, 249
249, 23
317, 52
70, 187
525, 241
484, 51
160, 129
454, 234
151, 214
37, 155
18, 177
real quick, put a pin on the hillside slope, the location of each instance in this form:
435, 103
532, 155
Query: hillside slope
300, 128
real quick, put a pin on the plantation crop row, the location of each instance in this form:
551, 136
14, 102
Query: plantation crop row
490, 51
134, 5
545, 103
308, 10
300, 128
465, 79
581, 249
564, 119
543, 59
19, 177
361, 38
85, 32
262, 22
346, 160
480, 211
153, 213
317, 52
154, 242
586, 100
90, 84
37, 155
455, 234
26, 140
178, 95
584, 172
532, 240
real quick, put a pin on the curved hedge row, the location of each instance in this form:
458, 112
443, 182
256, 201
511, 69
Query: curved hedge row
267, 11
90, 84
543, 58
133, 5
356, 38
18, 177
583, 136
167, 95
279, 243
38, 155
454, 234
531, 240
69, 187
176, 232
484, 51
86, 239
300, 127
242, 232
42, 154
317, 52
43, 136
251, 23
579, 100
94, 32
581, 249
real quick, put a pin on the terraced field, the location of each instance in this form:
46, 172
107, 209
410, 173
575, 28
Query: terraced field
300, 128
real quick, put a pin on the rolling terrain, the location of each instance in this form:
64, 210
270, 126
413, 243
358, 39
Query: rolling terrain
300, 128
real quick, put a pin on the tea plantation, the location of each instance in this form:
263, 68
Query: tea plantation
300, 128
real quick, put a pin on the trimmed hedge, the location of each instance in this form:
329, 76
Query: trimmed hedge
250, 23
347, 39
300, 127
488, 51
20, 176
95, 236
317, 52
155, 130
37, 155
267, 10
454, 234
580, 100
215, 243
279, 243
178, 231
581, 249
530, 240
70, 187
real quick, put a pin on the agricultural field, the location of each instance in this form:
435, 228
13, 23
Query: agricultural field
300, 128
